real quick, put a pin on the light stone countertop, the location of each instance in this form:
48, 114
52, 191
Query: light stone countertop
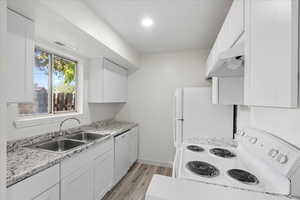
24, 162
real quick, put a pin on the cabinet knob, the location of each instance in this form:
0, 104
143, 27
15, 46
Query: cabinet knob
240, 132
273, 153
282, 159
253, 140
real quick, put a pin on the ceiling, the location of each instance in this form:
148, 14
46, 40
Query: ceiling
178, 24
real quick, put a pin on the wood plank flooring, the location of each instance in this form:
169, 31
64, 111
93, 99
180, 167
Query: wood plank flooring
134, 185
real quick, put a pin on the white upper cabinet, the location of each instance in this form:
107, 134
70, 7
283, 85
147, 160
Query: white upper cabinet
115, 82
271, 65
228, 90
20, 58
230, 33
95, 86
107, 82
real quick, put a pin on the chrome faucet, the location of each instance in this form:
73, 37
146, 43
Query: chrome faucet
62, 123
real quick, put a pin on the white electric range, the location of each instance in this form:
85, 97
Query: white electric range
260, 162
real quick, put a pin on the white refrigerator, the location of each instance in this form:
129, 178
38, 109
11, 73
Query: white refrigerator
196, 116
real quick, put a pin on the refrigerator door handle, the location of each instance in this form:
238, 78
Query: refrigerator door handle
174, 133
176, 164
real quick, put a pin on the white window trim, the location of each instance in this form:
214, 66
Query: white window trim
42, 119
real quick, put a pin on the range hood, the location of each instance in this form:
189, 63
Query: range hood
230, 63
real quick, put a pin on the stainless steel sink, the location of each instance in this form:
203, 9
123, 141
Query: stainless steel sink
59, 145
85, 136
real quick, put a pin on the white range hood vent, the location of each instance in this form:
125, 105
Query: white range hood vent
230, 62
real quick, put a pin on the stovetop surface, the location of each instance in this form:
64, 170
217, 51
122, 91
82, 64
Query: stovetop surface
222, 166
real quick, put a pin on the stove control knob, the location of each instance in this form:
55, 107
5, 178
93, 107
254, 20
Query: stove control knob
253, 140
282, 159
241, 133
273, 153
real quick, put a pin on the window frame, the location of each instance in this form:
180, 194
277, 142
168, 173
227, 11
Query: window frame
50, 109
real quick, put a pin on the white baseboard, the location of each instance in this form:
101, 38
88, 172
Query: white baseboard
156, 163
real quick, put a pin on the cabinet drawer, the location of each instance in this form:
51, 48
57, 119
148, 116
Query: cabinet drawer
35, 185
51, 194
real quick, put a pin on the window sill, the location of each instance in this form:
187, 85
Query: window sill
43, 120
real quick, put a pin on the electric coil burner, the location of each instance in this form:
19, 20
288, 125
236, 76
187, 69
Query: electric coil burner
195, 148
203, 169
243, 176
224, 153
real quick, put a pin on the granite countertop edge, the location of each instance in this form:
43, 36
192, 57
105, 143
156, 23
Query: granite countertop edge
36, 161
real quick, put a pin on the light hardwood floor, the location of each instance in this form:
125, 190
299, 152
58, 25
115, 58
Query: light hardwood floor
134, 185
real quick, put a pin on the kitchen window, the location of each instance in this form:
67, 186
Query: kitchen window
55, 85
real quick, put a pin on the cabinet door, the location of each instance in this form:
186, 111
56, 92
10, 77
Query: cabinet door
133, 146
228, 90
95, 86
36, 186
103, 174
271, 66
115, 82
78, 186
51, 194
121, 157
20, 57
233, 26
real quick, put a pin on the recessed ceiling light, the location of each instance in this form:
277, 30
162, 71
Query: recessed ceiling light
147, 22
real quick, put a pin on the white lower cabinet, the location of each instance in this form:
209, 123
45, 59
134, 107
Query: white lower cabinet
78, 186
42, 186
51, 194
88, 175
103, 174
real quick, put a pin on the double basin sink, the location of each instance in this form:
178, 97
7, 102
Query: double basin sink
70, 142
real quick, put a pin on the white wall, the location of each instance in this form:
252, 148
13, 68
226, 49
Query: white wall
3, 87
150, 104
284, 123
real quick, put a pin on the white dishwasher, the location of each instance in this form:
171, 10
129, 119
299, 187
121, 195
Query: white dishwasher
122, 158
